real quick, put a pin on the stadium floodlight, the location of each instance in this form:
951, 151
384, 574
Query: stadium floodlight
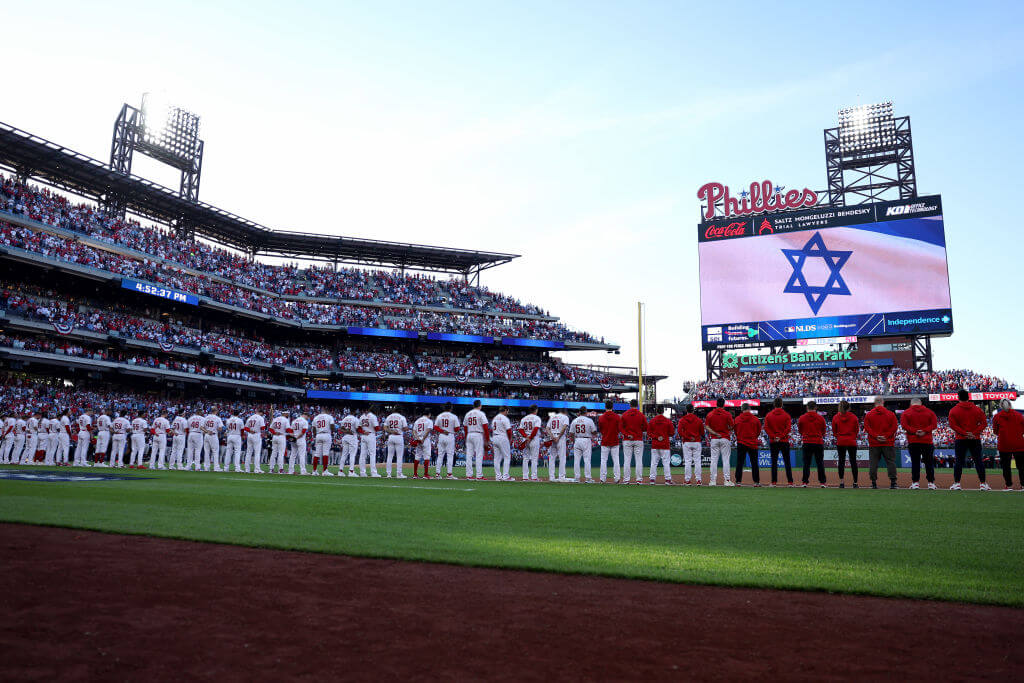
866, 128
173, 129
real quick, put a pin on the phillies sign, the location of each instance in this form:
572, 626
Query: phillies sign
762, 197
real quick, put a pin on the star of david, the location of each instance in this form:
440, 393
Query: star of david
835, 260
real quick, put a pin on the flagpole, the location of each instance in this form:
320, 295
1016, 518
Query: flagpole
640, 353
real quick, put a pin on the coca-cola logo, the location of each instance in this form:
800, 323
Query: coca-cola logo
732, 230
762, 197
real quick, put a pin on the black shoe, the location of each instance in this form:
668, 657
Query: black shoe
892, 485
842, 485
874, 484
856, 485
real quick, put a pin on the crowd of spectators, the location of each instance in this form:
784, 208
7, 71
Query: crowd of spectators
845, 383
45, 206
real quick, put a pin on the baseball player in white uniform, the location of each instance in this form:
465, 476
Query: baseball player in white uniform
20, 431
349, 427
422, 428
477, 435
118, 437
322, 424
529, 431
212, 424
368, 428
139, 427
7, 442
584, 431
158, 444
233, 441
47, 438
53, 429
279, 428
558, 425
179, 431
445, 426
28, 455
300, 426
102, 438
194, 442
395, 425
64, 440
501, 429
254, 425
84, 422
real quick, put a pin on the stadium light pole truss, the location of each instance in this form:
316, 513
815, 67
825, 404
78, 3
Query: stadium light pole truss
869, 156
168, 134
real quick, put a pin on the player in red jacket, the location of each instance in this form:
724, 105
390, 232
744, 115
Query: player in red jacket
968, 422
1008, 425
845, 429
812, 432
691, 433
778, 425
919, 422
661, 430
634, 425
748, 435
718, 425
881, 425
610, 426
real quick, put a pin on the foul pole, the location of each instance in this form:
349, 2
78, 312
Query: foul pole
640, 353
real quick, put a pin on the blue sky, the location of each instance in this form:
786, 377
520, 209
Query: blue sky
575, 134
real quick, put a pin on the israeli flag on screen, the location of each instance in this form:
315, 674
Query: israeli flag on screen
881, 267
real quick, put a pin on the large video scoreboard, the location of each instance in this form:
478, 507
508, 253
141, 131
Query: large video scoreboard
872, 270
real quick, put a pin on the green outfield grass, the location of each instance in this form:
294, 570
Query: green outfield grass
962, 546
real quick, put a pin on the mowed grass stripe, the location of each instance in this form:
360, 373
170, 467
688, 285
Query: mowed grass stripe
920, 544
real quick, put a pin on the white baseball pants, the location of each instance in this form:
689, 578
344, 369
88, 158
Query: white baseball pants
691, 461
395, 448
445, 452
664, 456
82, 449
612, 451
632, 451
720, 448
474, 454
581, 450
502, 456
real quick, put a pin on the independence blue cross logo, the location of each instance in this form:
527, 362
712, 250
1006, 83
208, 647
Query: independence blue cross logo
835, 260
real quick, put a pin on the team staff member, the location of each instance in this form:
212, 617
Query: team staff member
691, 432
1008, 425
610, 425
661, 429
718, 425
634, 424
967, 422
748, 433
846, 429
778, 426
880, 424
811, 426
919, 422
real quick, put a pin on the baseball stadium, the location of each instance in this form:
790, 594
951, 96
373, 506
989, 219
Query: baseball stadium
236, 451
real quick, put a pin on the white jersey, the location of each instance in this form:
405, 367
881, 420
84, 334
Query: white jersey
530, 423
65, 424
19, 427
212, 424
8, 428
557, 424
447, 423
368, 425
583, 428
161, 426
500, 426
349, 424
234, 426
84, 422
422, 428
53, 426
322, 423
299, 427
195, 423
180, 426
280, 425
255, 424
103, 423
396, 423
475, 422
139, 426
120, 425
33, 425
